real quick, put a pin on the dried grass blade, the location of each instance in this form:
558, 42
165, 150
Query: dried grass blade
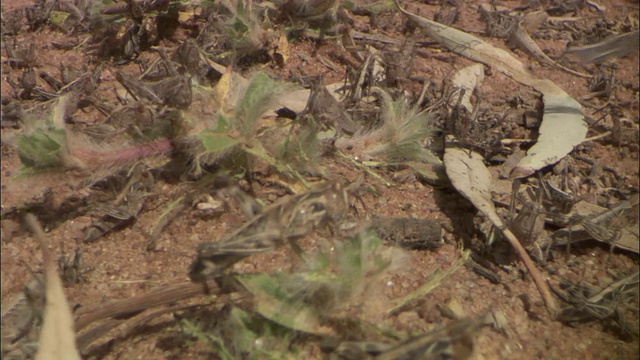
157, 297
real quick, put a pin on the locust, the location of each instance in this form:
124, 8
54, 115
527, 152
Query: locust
22, 321
124, 209
285, 221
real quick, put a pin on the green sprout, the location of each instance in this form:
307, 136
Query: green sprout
239, 334
42, 148
301, 148
50, 146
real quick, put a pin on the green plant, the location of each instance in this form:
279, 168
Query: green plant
336, 283
400, 137
50, 146
301, 148
241, 28
327, 297
236, 134
236, 333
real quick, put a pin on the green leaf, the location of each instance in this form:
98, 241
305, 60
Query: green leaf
432, 173
215, 142
259, 94
58, 18
361, 256
240, 27
223, 125
301, 147
260, 152
238, 323
42, 148
276, 301
215, 342
304, 300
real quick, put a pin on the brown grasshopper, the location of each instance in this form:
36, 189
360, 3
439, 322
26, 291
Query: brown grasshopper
287, 220
125, 208
22, 321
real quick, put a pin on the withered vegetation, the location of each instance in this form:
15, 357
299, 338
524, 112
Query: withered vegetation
302, 116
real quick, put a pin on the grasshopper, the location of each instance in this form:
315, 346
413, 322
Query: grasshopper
287, 220
22, 321
125, 208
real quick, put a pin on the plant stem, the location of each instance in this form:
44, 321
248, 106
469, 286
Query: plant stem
92, 158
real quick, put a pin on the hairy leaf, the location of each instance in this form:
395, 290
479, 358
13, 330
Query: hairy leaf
260, 93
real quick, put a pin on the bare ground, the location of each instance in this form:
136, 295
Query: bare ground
121, 267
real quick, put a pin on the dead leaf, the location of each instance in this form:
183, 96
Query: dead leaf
228, 89
57, 338
521, 39
297, 100
532, 21
472, 179
563, 126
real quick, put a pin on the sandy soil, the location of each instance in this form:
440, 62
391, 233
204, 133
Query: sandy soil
118, 265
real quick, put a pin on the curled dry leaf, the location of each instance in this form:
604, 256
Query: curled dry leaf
563, 126
520, 38
57, 339
472, 179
